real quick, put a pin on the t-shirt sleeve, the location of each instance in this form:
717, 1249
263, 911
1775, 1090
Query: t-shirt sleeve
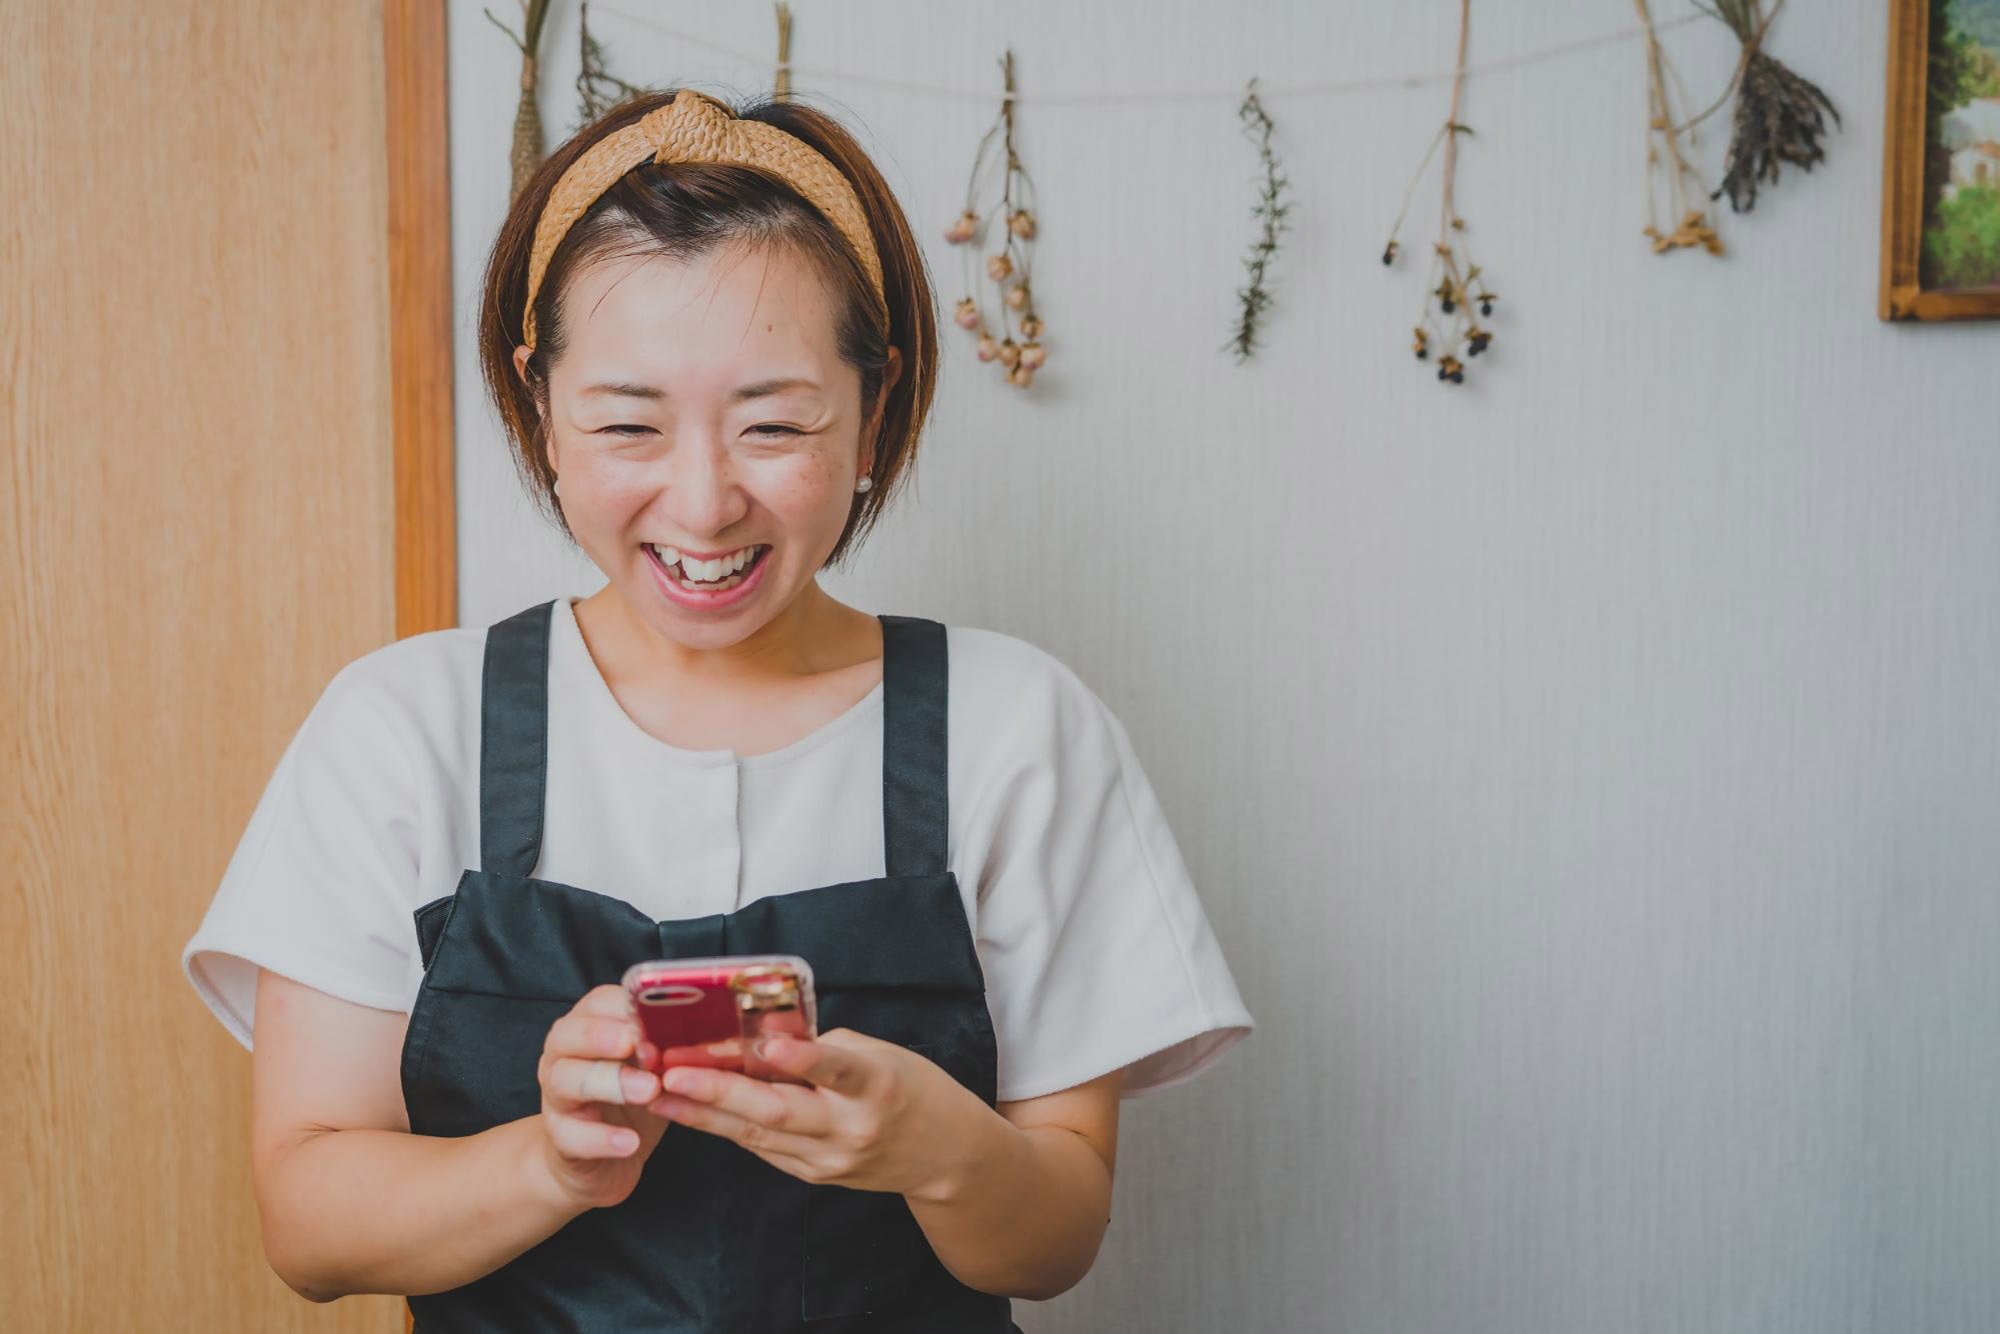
319, 886
1097, 951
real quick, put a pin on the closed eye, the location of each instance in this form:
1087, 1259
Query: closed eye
633, 429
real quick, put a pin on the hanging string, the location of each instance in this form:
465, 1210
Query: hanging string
1232, 93
781, 82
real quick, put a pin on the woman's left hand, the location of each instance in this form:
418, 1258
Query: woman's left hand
872, 1116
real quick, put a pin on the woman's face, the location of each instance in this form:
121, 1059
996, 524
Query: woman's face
699, 411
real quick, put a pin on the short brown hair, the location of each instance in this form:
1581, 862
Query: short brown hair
683, 210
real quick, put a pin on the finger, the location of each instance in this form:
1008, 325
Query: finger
834, 1062
580, 1137
609, 1001
583, 1034
571, 1082
758, 1138
787, 1107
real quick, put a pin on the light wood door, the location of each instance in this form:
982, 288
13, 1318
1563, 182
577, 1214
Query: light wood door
194, 335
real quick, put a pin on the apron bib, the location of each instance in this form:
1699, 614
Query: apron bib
712, 1240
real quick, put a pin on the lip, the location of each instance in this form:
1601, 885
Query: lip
681, 597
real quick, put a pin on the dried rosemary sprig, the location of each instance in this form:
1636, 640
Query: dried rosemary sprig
1780, 117
597, 88
1445, 324
1270, 210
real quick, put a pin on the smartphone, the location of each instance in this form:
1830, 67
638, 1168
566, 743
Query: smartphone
706, 1011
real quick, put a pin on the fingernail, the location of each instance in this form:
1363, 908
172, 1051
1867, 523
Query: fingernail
638, 1085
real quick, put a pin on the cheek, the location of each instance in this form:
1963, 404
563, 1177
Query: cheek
809, 491
600, 497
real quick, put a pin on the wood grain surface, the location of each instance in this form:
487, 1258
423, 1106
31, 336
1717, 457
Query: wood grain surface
199, 497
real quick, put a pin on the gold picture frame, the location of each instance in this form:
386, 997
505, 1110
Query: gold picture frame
1932, 161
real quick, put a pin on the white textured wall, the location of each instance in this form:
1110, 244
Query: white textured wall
1595, 780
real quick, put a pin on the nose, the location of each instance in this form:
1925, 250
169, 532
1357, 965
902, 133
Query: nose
698, 490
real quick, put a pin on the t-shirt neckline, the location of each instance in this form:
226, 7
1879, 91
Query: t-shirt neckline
569, 652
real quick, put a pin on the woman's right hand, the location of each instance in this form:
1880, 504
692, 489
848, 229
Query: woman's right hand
596, 1131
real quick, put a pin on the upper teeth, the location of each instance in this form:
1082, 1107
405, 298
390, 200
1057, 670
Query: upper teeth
706, 569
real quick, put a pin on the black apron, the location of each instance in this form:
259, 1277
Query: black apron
712, 1239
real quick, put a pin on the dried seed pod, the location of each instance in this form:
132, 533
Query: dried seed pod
963, 229
1020, 376
998, 266
1022, 224
1017, 297
967, 313
1010, 353
989, 347
1031, 326
1033, 355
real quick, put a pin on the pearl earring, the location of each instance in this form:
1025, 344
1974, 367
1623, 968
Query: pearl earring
864, 484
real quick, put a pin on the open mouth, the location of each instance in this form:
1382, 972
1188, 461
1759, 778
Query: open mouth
705, 576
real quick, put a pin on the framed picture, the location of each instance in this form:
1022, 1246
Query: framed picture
1941, 162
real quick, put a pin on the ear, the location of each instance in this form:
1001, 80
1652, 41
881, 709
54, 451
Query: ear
891, 373
521, 354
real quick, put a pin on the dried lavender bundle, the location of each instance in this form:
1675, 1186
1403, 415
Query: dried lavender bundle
1780, 116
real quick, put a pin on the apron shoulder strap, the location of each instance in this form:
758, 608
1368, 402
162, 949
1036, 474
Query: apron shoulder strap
514, 741
915, 697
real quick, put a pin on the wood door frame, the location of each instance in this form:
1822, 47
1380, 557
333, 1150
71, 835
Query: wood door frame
421, 364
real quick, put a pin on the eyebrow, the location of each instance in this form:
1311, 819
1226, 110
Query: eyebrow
759, 389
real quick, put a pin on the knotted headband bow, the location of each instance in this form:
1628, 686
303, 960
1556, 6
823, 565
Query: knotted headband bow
696, 128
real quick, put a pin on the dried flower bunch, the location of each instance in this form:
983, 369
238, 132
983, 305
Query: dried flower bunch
1447, 325
597, 88
527, 151
1780, 117
1009, 267
1270, 210
1663, 140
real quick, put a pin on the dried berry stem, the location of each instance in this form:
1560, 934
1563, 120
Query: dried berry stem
1447, 217
1445, 320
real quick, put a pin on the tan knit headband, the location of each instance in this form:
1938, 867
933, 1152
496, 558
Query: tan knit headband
697, 128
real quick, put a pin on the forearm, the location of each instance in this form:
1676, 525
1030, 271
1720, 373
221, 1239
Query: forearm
1024, 1215
348, 1211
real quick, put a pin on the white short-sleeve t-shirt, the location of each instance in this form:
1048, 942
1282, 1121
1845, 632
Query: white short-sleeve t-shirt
1096, 950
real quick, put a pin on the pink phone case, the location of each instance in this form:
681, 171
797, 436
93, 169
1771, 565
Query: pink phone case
706, 1011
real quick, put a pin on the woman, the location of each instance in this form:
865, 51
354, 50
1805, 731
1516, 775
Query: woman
711, 340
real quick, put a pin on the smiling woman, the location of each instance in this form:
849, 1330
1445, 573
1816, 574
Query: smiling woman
714, 216
711, 340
